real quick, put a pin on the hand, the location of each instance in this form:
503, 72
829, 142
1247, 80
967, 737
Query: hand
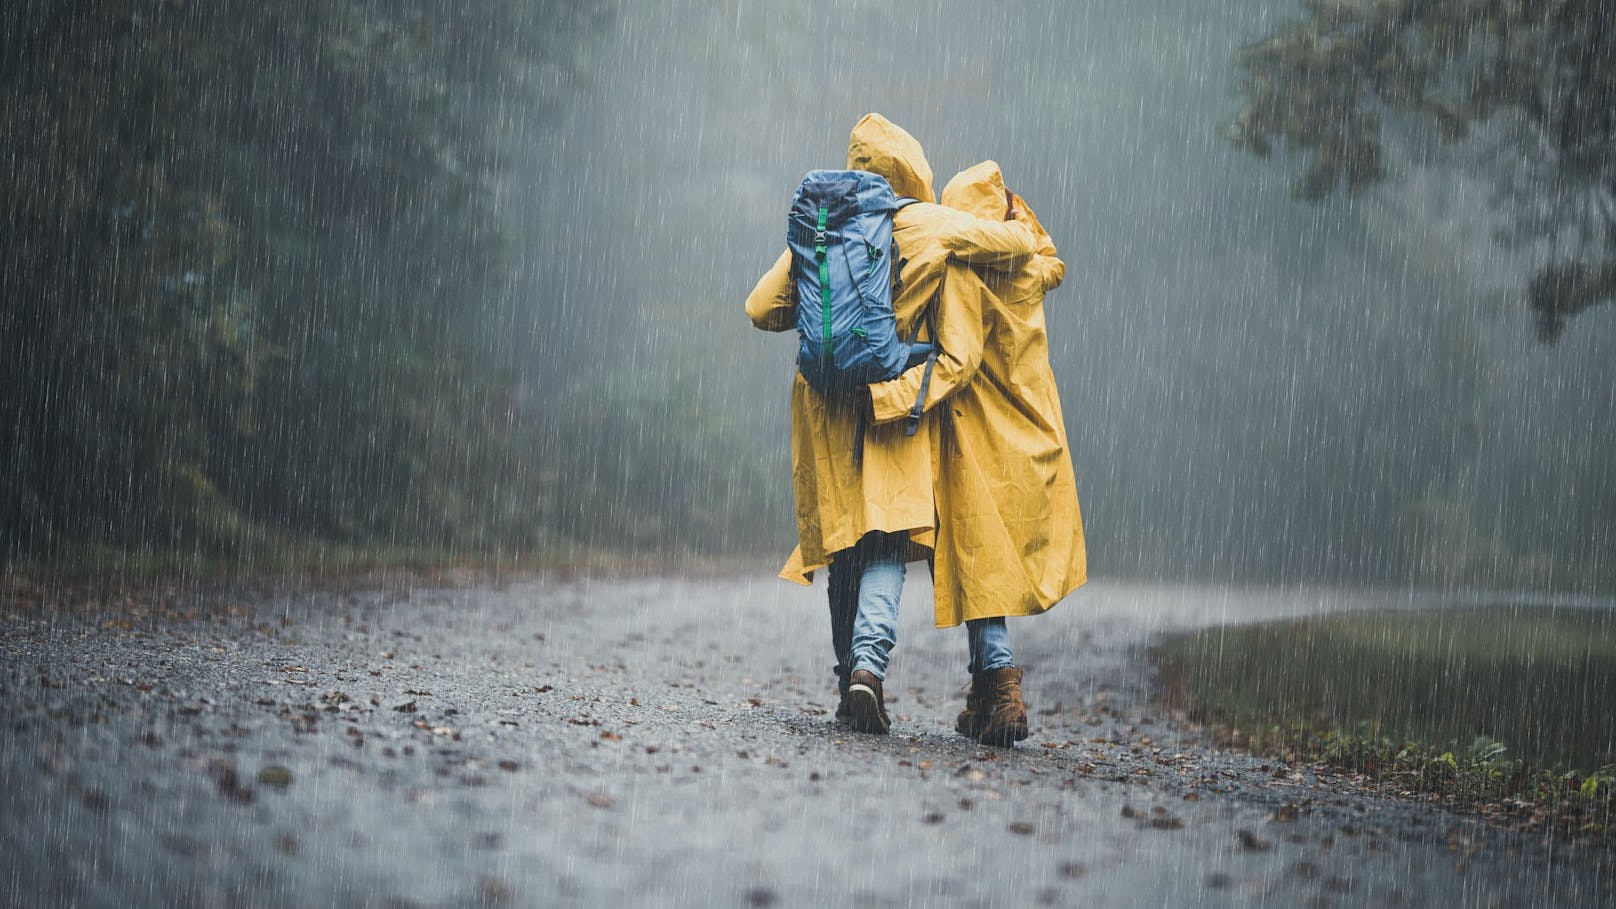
1009, 205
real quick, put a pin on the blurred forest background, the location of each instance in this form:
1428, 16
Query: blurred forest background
467, 279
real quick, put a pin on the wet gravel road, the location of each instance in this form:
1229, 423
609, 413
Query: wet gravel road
669, 741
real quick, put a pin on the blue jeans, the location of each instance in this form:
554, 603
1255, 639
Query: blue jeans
990, 645
866, 582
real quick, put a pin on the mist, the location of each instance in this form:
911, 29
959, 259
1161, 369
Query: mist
1254, 388
474, 283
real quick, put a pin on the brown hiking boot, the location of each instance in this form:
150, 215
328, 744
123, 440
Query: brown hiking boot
841, 709
969, 722
865, 710
1006, 720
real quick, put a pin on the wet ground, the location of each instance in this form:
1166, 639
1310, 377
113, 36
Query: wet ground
610, 742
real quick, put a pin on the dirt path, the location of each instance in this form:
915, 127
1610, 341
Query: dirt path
668, 742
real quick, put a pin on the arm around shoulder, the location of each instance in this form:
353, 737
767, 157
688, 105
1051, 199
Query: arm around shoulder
996, 244
772, 304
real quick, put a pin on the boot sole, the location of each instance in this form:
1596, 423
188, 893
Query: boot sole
971, 730
864, 711
1004, 737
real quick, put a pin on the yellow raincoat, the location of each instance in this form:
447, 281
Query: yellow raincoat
1010, 536
837, 501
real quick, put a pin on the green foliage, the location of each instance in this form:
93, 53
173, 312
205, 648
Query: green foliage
1479, 777
1481, 705
1540, 76
251, 270
1528, 677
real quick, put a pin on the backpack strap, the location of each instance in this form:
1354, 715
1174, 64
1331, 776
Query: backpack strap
824, 276
913, 424
858, 437
899, 263
923, 319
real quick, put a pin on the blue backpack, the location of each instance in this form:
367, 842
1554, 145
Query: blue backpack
846, 270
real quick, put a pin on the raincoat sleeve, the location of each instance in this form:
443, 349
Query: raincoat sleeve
960, 336
772, 304
1045, 244
1050, 271
997, 244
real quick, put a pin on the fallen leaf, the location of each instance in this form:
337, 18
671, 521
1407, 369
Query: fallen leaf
1284, 814
1251, 841
229, 784
96, 801
493, 891
276, 775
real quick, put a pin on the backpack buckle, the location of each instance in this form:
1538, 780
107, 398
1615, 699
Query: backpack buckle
819, 238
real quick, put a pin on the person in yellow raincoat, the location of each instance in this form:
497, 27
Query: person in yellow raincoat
1009, 540
864, 518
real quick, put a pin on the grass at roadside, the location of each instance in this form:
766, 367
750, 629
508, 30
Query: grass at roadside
314, 561
1506, 710
171, 582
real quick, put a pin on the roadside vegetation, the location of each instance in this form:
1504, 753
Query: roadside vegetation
261, 310
1503, 711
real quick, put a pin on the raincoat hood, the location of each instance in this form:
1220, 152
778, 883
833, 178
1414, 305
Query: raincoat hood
978, 190
882, 147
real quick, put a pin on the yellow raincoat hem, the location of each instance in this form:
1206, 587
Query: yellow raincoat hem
922, 542
948, 617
